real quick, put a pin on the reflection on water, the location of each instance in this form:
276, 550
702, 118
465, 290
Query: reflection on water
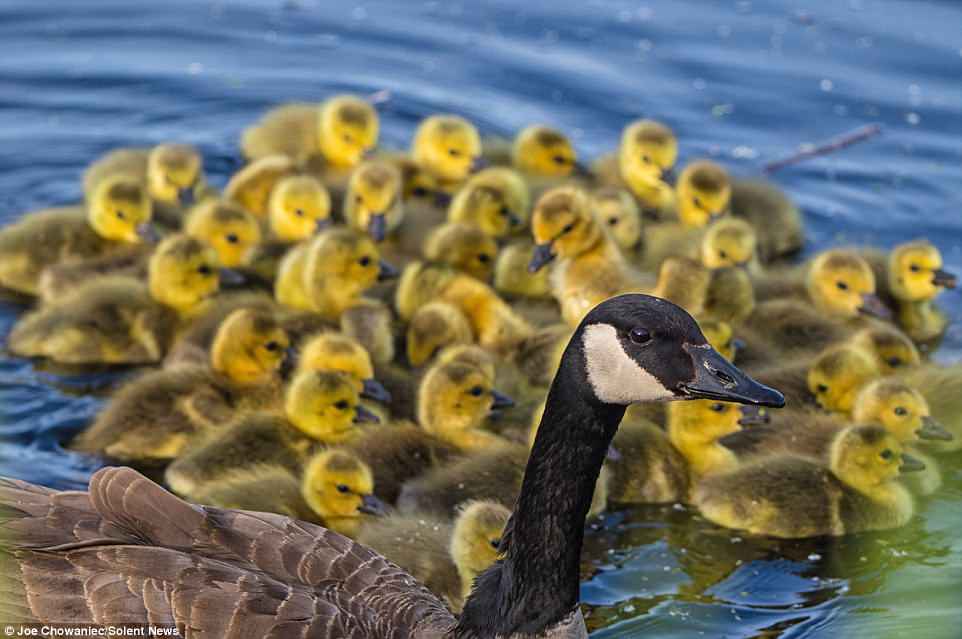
744, 81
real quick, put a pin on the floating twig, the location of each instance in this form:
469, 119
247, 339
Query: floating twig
836, 143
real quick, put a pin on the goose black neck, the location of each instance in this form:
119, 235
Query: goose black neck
536, 584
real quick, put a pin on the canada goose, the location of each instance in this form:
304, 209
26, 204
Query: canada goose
792, 497
445, 557
309, 580
448, 147
374, 202
116, 217
335, 489
121, 320
173, 175
341, 130
152, 418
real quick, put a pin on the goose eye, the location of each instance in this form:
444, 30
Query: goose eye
232, 238
341, 404
484, 258
272, 346
299, 212
613, 221
639, 335
821, 388
718, 407
342, 488
477, 391
121, 215
901, 411
886, 454
364, 261
204, 269
915, 268
495, 543
842, 286
894, 362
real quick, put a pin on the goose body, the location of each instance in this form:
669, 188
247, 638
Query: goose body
128, 551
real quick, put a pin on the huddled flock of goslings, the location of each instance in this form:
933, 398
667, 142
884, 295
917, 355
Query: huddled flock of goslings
363, 338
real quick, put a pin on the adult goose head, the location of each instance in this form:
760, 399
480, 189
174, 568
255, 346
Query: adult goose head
129, 552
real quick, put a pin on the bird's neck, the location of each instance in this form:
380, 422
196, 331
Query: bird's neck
536, 584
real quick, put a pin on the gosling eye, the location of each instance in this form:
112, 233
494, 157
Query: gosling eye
560, 160
484, 258
821, 388
612, 221
647, 160
341, 404
477, 391
365, 261
299, 212
232, 238
121, 215
639, 335
343, 488
696, 201
894, 362
203, 269
496, 543
901, 411
723, 254
568, 228
718, 407
504, 211
454, 153
887, 454
359, 200
419, 191
272, 346
842, 286
347, 137
915, 268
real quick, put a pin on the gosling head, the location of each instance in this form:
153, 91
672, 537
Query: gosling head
227, 228
469, 354
901, 409
340, 488
447, 146
465, 247
730, 296
867, 457
298, 207
343, 354
455, 397
836, 376
562, 226
495, 200
175, 174
249, 347
476, 539
915, 272
543, 151
618, 213
119, 209
347, 129
709, 420
893, 350
343, 263
728, 242
374, 199
704, 192
325, 405
647, 152
183, 272
639, 348
842, 284
433, 327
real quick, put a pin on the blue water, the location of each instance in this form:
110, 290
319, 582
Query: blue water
745, 82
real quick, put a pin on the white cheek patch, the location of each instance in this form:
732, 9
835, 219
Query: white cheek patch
613, 375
